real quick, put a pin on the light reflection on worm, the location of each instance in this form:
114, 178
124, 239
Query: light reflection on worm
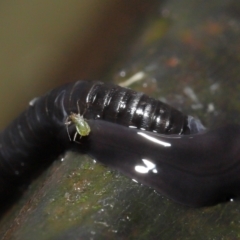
196, 170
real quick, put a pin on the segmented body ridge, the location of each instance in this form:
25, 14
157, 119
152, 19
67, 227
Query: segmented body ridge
127, 107
35, 134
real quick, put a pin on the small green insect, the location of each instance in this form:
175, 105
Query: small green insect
82, 127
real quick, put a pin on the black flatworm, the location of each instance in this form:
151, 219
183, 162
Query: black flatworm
126, 130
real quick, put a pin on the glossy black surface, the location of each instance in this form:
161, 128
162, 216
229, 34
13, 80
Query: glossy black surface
34, 135
33, 139
196, 170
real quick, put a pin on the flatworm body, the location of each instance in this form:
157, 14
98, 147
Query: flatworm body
195, 170
123, 125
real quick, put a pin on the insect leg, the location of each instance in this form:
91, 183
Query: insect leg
68, 123
85, 109
78, 107
75, 136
